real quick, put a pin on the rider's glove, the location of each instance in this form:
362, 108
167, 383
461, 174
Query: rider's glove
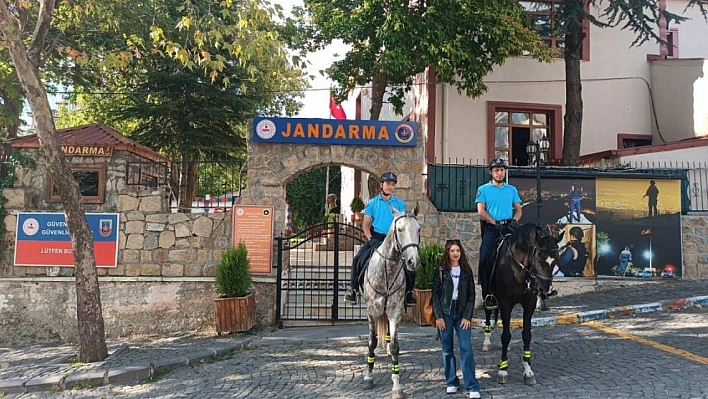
514, 223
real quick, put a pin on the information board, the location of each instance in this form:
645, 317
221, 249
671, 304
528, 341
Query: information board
253, 225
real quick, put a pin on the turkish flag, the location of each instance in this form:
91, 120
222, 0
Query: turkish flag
335, 109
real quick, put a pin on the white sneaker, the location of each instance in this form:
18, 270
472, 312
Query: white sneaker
474, 395
451, 389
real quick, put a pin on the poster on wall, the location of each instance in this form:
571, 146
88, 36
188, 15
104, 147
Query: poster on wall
563, 201
639, 228
613, 226
253, 225
43, 239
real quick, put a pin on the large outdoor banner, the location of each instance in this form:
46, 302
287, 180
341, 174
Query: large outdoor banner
613, 226
43, 239
335, 131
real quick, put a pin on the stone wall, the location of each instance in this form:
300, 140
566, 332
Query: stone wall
695, 246
44, 308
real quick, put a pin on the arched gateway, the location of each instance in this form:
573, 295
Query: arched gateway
280, 149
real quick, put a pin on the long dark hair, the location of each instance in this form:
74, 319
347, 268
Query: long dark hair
464, 263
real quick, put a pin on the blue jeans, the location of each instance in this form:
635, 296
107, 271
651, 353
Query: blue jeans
575, 208
452, 323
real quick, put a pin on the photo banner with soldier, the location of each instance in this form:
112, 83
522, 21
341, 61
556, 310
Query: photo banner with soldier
627, 227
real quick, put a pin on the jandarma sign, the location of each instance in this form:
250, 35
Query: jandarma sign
334, 131
87, 150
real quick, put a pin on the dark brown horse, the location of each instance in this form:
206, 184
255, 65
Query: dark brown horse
522, 271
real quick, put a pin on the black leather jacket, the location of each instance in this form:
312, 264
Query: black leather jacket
442, 294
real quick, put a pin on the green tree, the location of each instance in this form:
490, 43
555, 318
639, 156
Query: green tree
27, 61
89, 42
391, 42
641, 17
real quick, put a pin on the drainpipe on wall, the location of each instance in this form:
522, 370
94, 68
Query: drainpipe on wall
443, 124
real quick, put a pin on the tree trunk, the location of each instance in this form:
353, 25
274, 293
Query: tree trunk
378, 89
92, 341
573, 121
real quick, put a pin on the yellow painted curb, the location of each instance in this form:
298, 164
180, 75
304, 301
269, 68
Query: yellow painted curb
567, 319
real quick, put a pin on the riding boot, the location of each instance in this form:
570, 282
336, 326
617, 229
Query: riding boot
350, 295
410, 284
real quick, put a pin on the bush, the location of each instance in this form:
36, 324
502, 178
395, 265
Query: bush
430, 257
232, 277
357, 205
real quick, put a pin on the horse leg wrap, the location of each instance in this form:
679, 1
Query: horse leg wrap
527, 356
388, 338
503, 364
370, 359
395, 368
487, 328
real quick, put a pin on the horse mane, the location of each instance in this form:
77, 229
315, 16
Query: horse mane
519, 238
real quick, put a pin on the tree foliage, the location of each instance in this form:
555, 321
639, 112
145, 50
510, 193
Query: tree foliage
392, 41
306, 195
641, 17
232, 277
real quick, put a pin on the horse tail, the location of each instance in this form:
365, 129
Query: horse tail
382, 329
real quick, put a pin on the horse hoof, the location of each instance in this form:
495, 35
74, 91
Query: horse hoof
368, 384
503, 378
529, 380
397, 394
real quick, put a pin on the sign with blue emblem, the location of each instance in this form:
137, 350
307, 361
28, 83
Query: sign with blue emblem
334, 131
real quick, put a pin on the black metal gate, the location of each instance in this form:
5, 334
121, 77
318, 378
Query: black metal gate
314, 269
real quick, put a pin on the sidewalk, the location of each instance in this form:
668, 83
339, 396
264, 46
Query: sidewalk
50, 368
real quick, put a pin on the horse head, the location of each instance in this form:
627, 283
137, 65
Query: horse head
406, 233
545, 258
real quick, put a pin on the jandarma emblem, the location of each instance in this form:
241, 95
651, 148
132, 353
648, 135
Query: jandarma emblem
403, 133
265, 129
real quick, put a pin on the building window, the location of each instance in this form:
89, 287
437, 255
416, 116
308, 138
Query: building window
633, 140
672, 43
544, 16
512, 125
92, 184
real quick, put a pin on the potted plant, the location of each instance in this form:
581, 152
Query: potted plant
430, 254
235, 308
357, 206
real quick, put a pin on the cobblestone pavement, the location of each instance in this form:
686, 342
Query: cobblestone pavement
653, 355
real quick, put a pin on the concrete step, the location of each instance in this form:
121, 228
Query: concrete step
346, 312
315, 297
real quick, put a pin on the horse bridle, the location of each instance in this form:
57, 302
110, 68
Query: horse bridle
530, 267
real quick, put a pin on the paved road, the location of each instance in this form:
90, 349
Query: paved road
655, 355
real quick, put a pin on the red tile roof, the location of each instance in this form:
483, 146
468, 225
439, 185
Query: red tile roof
94, 134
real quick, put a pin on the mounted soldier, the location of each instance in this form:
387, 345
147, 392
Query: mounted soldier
378, 217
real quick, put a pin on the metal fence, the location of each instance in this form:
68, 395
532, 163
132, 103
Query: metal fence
215, 183
452, 186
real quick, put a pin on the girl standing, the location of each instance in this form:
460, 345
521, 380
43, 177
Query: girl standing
453, 303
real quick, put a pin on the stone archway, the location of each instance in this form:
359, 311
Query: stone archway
272, 166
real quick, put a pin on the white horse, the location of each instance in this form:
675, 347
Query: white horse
385, 288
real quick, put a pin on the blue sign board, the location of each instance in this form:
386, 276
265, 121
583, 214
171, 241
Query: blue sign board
334, 131
43, 239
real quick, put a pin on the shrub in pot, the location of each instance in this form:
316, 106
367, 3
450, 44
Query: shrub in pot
236, 306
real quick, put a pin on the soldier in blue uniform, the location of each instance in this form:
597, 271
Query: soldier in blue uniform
377, 221
499, 208
576, 194
624, 258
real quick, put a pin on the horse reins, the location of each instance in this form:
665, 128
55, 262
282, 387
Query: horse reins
529, 269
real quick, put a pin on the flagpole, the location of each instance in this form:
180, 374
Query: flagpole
651, 255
